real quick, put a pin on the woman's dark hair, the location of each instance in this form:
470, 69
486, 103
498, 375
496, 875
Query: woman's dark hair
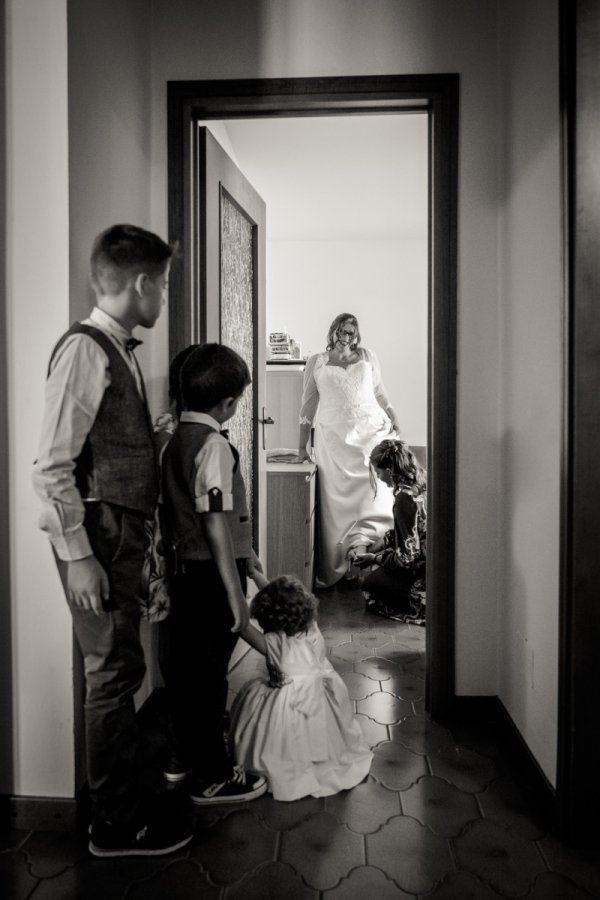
396, 455
284, 605
337, 324
211, 373
174, 377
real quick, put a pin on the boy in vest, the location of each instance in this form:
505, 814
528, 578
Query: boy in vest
97, 479
209, 531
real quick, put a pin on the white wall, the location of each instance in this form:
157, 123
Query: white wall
384, 284
531, 344
37, 308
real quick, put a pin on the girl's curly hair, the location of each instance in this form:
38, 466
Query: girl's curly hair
396, 455
285, 605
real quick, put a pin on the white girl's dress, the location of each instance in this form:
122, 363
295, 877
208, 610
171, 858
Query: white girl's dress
303, 735
345, 405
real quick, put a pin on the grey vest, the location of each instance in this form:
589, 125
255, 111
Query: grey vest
117, 463
183, 523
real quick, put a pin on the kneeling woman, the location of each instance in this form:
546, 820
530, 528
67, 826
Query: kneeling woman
395, 586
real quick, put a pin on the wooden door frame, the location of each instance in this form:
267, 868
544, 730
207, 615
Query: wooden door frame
437, 95
578, 790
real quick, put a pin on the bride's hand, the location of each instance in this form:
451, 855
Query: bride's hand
303, 456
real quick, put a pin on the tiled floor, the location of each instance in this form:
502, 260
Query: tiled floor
439, 817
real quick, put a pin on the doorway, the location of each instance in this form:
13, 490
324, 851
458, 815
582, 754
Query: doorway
437, 97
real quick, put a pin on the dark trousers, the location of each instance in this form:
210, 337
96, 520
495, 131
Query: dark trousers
113, 662
200, 646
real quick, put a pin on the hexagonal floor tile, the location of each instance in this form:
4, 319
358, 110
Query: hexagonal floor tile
400, 654
421, 735
367, 881
463, 886
417, 667
440, 806
371, 637
396, 767
364, 808
406, 687
351, 652
341, 666
322, 850
373, 732
183, 879
16, 881
384, 708
51, 852
582, 867
410, 854
499, 858
359, 686
550, 886
272, 881
377, 668
234, 846
467, 770
281, 815
506, 804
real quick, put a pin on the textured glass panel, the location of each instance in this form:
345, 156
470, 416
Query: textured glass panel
237, 326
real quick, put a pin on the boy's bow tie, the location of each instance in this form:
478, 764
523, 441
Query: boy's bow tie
131, 344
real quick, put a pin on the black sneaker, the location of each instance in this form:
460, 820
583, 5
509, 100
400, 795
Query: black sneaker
153, 838
175, 769
237, 789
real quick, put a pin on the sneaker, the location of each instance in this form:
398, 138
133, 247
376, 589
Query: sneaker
240, 787
153, 838
175, 769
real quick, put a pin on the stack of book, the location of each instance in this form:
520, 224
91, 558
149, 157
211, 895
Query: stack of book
280, 345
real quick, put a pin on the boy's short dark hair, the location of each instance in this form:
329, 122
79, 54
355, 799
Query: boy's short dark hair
175, 376
210, 374
125, 250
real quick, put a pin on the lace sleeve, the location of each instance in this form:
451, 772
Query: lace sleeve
310, 394
378, 386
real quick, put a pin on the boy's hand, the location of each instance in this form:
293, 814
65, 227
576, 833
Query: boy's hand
87, 584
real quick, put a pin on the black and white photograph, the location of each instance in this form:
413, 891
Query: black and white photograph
300, 493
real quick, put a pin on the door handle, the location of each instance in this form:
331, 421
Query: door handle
266, 420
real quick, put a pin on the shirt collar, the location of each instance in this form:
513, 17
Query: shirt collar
110, 325
199, 418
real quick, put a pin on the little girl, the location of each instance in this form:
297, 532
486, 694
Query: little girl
395, 588
298, 729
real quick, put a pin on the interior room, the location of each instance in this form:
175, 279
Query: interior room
346, 230
85, 144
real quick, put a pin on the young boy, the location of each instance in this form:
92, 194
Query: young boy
96, 476
209, 531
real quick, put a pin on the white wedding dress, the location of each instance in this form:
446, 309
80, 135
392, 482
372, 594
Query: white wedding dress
303, 734
343, 404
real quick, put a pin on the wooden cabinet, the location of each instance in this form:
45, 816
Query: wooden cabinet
291, 498
284, 398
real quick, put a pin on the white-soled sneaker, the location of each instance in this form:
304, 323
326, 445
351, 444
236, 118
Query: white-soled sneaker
240, 787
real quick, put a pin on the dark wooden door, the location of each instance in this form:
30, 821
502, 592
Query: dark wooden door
230, 297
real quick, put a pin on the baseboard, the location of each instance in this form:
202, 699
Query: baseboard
525, 766
42, 813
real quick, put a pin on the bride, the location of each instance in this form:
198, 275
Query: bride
345, 399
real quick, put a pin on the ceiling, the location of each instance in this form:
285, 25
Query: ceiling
360, 177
